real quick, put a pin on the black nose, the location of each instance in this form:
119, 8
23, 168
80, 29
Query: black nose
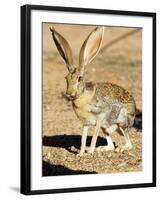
70, 96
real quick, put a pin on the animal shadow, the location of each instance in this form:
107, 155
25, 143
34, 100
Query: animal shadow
138, 121
67, 141
57, 170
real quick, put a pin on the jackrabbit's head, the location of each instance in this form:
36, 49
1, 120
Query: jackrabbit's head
89, 49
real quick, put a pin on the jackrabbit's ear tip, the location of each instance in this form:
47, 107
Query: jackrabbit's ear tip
101, 28
51, 28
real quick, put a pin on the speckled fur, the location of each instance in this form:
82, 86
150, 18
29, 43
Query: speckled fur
105, 98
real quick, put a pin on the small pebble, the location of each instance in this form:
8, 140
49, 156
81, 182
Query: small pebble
73, 149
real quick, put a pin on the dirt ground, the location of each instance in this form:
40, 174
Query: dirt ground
120, 63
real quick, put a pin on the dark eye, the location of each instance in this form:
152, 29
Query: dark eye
80, 78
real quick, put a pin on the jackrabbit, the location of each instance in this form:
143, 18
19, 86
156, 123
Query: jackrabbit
103, 105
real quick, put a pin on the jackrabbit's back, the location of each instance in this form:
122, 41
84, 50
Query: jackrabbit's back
115, 94
113, 102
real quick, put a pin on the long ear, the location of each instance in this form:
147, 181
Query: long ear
91, 46
63, 48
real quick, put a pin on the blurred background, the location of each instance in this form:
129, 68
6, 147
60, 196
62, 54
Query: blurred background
119, 61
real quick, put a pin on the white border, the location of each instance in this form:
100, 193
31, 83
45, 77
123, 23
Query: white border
42, 183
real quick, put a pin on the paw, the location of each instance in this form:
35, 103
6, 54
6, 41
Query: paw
119, 150
123, 148
91, 151
105, 148
127, 147
82, 153
79, 155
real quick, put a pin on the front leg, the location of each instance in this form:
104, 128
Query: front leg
83, 140
128, 144
94, 138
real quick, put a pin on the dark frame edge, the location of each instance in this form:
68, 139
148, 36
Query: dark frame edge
25, 101
89, 189
89, 10
154, 99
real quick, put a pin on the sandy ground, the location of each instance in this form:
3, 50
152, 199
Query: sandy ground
120, 64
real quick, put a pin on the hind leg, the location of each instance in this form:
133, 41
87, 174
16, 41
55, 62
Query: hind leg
110, 145
128, 144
